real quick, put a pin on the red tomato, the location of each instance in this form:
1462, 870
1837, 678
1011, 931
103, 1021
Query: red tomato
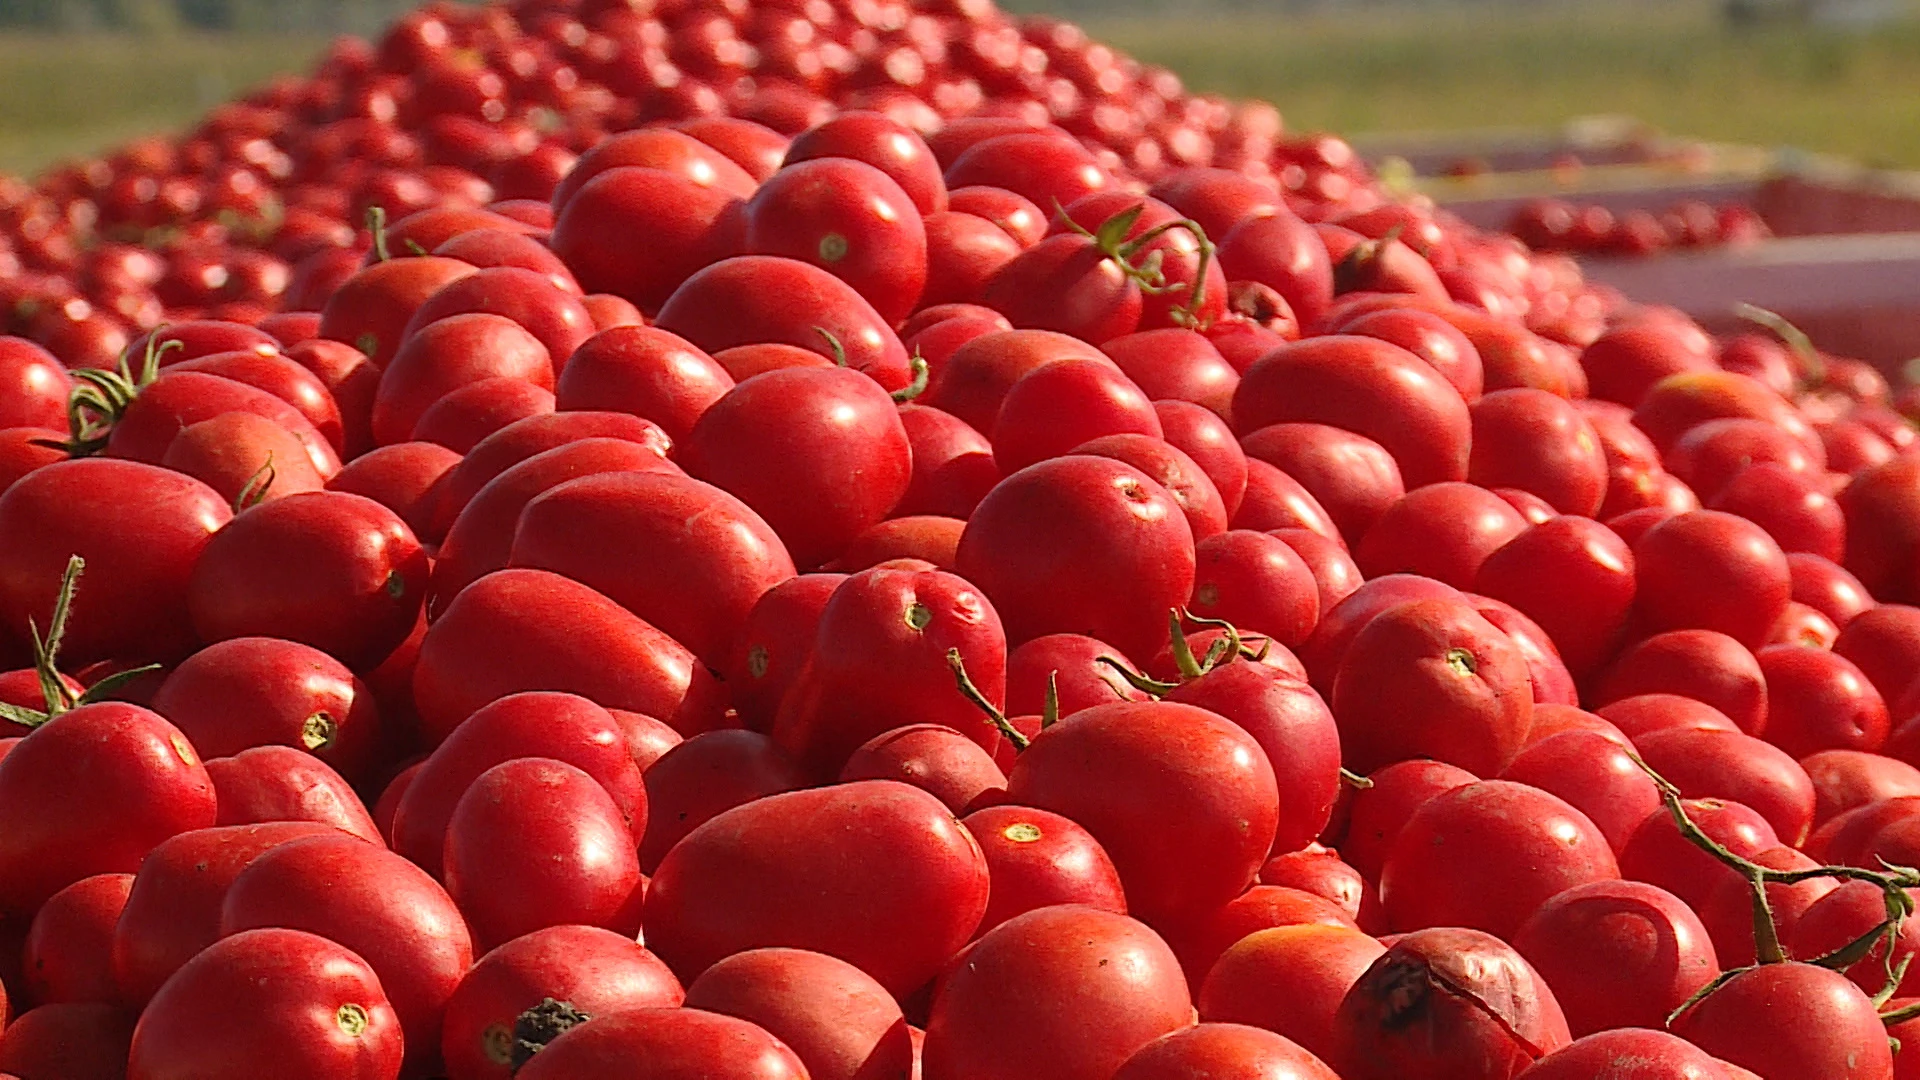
883, 143
36, 386
1818, 700
657, 148
1816, 1025
536, 843
596, 971
1208, 1047
1627, 360
1038, 859
820, 454
465, 416
517, 630
851, 220
1289, 980
927, 538
443, 356
1055, 407
1845, 779
953, 466
1707, 666
1351, 476
244, 457
674, 1044
1627, 1054
964, 252
684, 222
646, 372
283, 378
83, 1041
1109, 986
1047, 543
1173, 470
1444, 531
521, 440
92, 791
938, 760
141, 530
1429, 337
1282, 252
1622, 954
553, 315
1659, 855
834, 1017
1573, 576
370, 310
68, 954
317, 1010
774, 643
280, 783
335, 571
1731, 765
799, 870
1182, 799
370, 900
707, 774
1594, 772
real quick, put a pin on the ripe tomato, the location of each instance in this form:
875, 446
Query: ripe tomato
68, 953
1816, 1024
675, 1044
834, 1017
280, 783
317, 1011
850, 219
644, 371
1289, 980
1621, 953
84, 1041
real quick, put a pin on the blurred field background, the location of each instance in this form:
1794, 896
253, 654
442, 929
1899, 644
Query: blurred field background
116, 68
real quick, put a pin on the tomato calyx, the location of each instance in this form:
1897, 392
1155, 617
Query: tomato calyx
1110, 239
100, 397
1230, 646
1049, 713
1895, 883
58, 696
540, 1025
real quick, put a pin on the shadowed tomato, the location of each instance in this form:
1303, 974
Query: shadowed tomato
707, 774
820, 454
1432, 678
1047, 543
596, 971
1282, 252
834, 1017
1320, 871
646, 372
92, 791
1072, 663
370, 900
465, 416
179, 399
1203, 436
964, 252
675, 1044
68, 953
850, 219
1854, 909
81, 1041
317, 1010
710, 558
536, 843
36, 386
517, 630
239, 453
976, 378
1182, 799
1538, 442
774, 643
928, 538
1064, 993
881, 652
802, 870
752, 299
1450, 1004
1367, 386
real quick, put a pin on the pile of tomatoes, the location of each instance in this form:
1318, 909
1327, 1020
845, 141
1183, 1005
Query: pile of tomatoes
1593, 229
857, 540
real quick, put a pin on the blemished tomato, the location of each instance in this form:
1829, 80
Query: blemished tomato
675, 1044
317, 1010
596, 971
1619, 953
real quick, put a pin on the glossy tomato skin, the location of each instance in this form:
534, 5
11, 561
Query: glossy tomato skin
1658, 854
550, 313
596, 971
1845, 779
371, 309
36, 386
524, 439
1182, 799
1450, 1004
1055, 407
1289, 980
883, 143
1594, 772
834, 1017
1203, 436
774, 644
1573, 576
1816, 1023
1731, 765
1704, 665
1046, 544
820, 454
542, 724
1367, 386
517, 630
68, 954
709, 556
370, 900
1475, 700
621, 209
1350, 475
303, 994
1817, 700
233, 451
848, 218
800, 870
880, 653
1713, 571
1536, 844
708, 774
401, 477
936, 759
644, 371
1444, 531
751, 299
338, 572
443, 356
1072, 661
1039, 859
140, 528
1281, 251
536, 843
92, 792
1102, 986
1293, 727
173, 911
673, 1044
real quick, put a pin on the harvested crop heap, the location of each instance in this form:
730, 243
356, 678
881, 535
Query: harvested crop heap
848, 540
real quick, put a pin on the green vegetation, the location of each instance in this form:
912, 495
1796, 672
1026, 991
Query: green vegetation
1348, 67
